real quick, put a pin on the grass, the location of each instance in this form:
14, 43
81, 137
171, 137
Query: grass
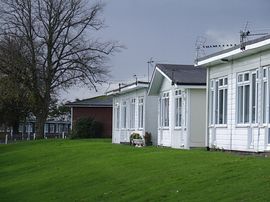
96, 170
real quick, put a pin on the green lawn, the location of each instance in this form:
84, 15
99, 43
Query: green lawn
96, 170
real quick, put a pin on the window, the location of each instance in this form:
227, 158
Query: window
124, 114
141, 113
61, 128
218, 100
46, 128
51, 128
243, 98
117, 116
56, 128
178, 108
247, 97
132, 113
165, 110
254, 96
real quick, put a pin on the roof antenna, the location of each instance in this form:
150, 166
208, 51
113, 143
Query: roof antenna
136, 78
244, 34
149, 62
199, 44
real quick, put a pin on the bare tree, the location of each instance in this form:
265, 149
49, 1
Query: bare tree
59, 49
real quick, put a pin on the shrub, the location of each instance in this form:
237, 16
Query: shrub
147, 138
86, 128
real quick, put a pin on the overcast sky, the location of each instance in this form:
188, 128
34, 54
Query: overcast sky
166, 30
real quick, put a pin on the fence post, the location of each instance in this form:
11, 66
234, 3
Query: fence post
6, 139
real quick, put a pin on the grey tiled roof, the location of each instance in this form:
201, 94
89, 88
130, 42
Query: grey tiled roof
184, 74
99, 101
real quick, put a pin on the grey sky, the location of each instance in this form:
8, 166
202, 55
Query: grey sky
167, 30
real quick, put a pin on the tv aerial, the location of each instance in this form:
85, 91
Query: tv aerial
245, 34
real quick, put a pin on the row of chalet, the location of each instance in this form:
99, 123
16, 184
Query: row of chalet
171, 107
223, 101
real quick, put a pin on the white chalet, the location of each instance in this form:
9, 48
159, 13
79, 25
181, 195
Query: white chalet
133, 111
238, 96
181, 109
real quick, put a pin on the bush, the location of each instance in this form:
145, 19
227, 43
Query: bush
86, 128
148, 139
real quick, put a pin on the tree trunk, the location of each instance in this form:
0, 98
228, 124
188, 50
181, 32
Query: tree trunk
39, 126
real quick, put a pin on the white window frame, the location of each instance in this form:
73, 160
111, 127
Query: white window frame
141, 113
117, 116
217, 86
243, 89
165, 110
132, 113
252, 109
178, 108
124, 119
264, 95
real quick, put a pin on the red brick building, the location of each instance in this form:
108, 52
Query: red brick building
98, 108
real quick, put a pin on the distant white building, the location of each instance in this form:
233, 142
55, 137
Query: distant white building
133, 112
181, 109
238, 96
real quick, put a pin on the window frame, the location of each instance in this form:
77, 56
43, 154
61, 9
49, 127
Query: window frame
253, 85
124, 118
165, 110
178, 109
117, 116
141, 113
132, 113
218, 87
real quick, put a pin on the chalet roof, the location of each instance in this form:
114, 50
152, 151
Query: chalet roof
187, 76
99, 101
184, 74
124, 88
241, 50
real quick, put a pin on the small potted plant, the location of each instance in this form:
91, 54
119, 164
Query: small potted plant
135, 139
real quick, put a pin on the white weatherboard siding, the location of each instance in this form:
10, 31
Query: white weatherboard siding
234, 136
121, 134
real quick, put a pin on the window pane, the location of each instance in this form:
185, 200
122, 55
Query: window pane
240, 104
178, 103
216, 103
253, 98
246, 104
246, 77
220, 114
225, 106
264, 101
212, 107
240, 77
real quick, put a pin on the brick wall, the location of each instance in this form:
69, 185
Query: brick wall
100, 114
